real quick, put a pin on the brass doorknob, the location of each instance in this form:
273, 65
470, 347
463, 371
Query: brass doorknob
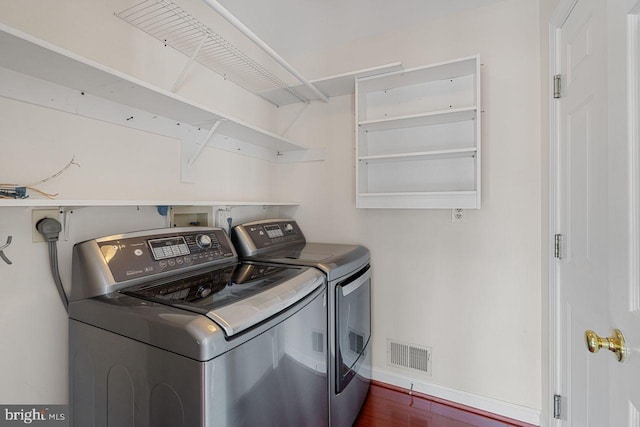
615, 343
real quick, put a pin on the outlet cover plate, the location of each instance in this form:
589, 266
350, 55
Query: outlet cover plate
457, 215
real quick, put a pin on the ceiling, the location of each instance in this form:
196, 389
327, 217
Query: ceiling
293, 27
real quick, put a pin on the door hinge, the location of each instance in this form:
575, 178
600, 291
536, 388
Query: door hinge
556, 86
557, 399
557, 253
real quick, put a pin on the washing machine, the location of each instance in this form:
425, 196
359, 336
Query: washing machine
168, 329
348, 272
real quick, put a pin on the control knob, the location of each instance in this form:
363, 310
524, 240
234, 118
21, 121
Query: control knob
203, 241
288, 227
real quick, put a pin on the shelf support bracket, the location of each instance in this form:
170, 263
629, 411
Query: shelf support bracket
295, 119
188, 64
191, 150
204, 143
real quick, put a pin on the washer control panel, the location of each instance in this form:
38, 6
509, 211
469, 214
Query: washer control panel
141, 256
168, 247
266, 234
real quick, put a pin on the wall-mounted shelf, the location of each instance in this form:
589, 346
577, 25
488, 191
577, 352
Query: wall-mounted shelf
418, 138
423, 155
175, 27
419, 200
36, 203
37, 72
425, 119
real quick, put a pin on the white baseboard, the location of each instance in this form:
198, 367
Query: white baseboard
494, 406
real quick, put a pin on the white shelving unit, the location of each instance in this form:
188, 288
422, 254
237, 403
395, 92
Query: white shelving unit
37, 72
418, 139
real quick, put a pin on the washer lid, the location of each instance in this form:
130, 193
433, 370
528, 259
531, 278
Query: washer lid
335, 260
238, 296
282, 241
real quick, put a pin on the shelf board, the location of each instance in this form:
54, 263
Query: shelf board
419, 193
417, 75
426, 119
54, 69
422, 155
420, 200
342, 84
107, 203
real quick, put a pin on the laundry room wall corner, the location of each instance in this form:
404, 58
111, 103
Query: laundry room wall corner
455, 287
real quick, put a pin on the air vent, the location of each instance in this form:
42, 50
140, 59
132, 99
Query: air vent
410, 356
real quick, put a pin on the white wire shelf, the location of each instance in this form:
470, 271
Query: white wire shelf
176, 28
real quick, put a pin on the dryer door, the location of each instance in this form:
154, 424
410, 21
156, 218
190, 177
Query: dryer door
353, 325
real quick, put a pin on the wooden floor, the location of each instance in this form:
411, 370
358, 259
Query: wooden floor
389, 406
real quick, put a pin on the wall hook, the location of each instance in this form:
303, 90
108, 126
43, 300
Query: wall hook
2, 248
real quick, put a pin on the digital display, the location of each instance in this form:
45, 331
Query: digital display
273, 231
168, 248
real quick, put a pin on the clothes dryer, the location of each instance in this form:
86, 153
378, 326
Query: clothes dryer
348, 272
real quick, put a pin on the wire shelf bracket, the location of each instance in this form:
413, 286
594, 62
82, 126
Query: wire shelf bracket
180, 78
190, 150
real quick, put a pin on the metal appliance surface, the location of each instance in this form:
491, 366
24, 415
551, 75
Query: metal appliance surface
348, 273
167, 328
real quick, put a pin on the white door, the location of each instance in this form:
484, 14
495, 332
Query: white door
582, 221
593, 210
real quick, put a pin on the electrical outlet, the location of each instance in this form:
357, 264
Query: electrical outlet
37, 215
457, 215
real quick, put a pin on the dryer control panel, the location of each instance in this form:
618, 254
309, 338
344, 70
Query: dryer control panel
253, 237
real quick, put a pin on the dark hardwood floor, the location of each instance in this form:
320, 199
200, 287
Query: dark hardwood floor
389, 406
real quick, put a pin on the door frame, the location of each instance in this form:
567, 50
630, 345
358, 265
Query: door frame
557, 20
633, 139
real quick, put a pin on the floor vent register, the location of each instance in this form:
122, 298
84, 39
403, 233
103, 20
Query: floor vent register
409, 356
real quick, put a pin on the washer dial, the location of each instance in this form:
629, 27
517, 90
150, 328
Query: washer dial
203, 241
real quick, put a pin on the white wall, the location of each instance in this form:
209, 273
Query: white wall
470, 291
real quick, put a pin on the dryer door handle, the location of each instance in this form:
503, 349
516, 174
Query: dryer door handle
351, 287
